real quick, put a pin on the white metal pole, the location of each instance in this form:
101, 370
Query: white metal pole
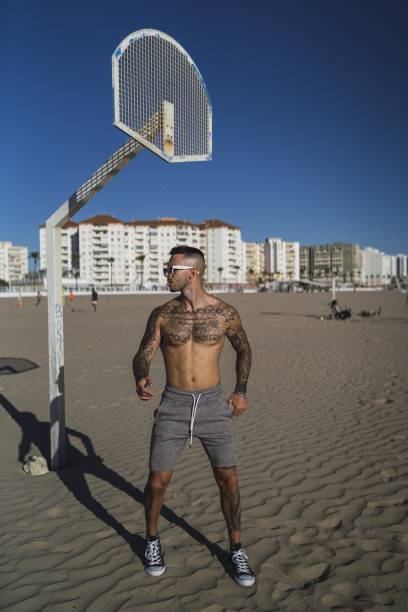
55, 347
333, 289
82, 195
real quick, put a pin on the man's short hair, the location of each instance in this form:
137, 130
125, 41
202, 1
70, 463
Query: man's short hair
191, 253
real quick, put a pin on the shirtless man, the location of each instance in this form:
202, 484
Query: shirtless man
190, 330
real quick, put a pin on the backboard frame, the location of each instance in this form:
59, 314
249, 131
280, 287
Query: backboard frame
119, 51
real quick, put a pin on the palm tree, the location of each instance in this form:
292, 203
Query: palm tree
141, 259
111, 260
75, 268
35, 257
219, 270
251, 273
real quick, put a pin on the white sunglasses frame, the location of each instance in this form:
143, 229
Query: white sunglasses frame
175, 268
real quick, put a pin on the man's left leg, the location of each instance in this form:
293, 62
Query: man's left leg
227, 480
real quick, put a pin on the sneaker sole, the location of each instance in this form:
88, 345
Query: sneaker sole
245, 582
155, 572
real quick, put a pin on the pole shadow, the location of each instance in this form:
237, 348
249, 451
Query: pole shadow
37, 433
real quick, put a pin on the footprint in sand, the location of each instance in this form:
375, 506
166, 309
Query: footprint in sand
300, 577
392, 500
382, 401
302, 538
40, 545
376, 544
347, 594
334, 522
54, 512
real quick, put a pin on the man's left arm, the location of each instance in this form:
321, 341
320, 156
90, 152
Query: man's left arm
236, 335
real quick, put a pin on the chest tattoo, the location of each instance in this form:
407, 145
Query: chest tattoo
205, 325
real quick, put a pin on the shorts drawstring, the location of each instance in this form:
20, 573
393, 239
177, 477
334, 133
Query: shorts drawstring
193, 415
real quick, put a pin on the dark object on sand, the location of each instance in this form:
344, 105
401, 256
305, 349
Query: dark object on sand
16, 365
337, 313
370, 313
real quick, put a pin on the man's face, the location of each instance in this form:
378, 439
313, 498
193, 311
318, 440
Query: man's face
180, 278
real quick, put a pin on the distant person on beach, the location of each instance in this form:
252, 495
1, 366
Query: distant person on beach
190, 331
94, 298
71, 298
334, 309
38, 302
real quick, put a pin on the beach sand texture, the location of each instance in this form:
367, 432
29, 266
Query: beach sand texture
322, 464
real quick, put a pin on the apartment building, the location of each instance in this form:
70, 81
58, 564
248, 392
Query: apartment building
379, 268
372, 267
402, 266
305, 256
224, 251
115, 252
255, 260
69, 248
282, 259
327, 261
13, 262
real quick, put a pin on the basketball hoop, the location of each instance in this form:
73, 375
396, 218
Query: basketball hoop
161, 102
153, 74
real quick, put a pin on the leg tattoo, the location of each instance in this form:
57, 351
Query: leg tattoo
231, 509
148, 506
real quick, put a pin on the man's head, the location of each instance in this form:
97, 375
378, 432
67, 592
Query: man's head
185, 267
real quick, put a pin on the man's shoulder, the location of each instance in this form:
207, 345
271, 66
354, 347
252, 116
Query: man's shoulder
229, 311
164, 309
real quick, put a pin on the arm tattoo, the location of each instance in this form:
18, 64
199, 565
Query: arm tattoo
239, 341
143, 357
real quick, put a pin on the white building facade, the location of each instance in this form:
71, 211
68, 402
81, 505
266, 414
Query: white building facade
379, 268
254, 260
402, 266
224, 252
13, 262
282, 259
133, 253
69, 248
372, 267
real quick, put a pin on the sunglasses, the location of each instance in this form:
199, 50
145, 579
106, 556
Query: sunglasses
167, 270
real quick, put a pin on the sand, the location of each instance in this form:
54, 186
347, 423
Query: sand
322, 461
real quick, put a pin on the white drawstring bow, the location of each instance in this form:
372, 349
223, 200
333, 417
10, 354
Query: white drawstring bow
193, 415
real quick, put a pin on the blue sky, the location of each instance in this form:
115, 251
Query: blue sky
310, 103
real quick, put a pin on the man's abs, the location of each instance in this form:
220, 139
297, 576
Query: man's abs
192, 365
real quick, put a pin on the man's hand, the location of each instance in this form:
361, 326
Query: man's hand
238, 404
142, 390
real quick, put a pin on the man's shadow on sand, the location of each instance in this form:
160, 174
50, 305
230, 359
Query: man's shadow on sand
37, 433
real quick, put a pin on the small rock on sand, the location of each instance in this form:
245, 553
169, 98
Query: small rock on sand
389, 474
382, 401
36, 466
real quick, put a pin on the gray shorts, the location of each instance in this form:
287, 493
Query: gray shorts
182, 415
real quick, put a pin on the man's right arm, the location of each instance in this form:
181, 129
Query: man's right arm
147, 349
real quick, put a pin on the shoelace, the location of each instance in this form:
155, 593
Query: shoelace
240, 558
153, 553
193, 415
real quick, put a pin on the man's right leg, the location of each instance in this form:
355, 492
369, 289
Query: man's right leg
154, 497
169, 435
